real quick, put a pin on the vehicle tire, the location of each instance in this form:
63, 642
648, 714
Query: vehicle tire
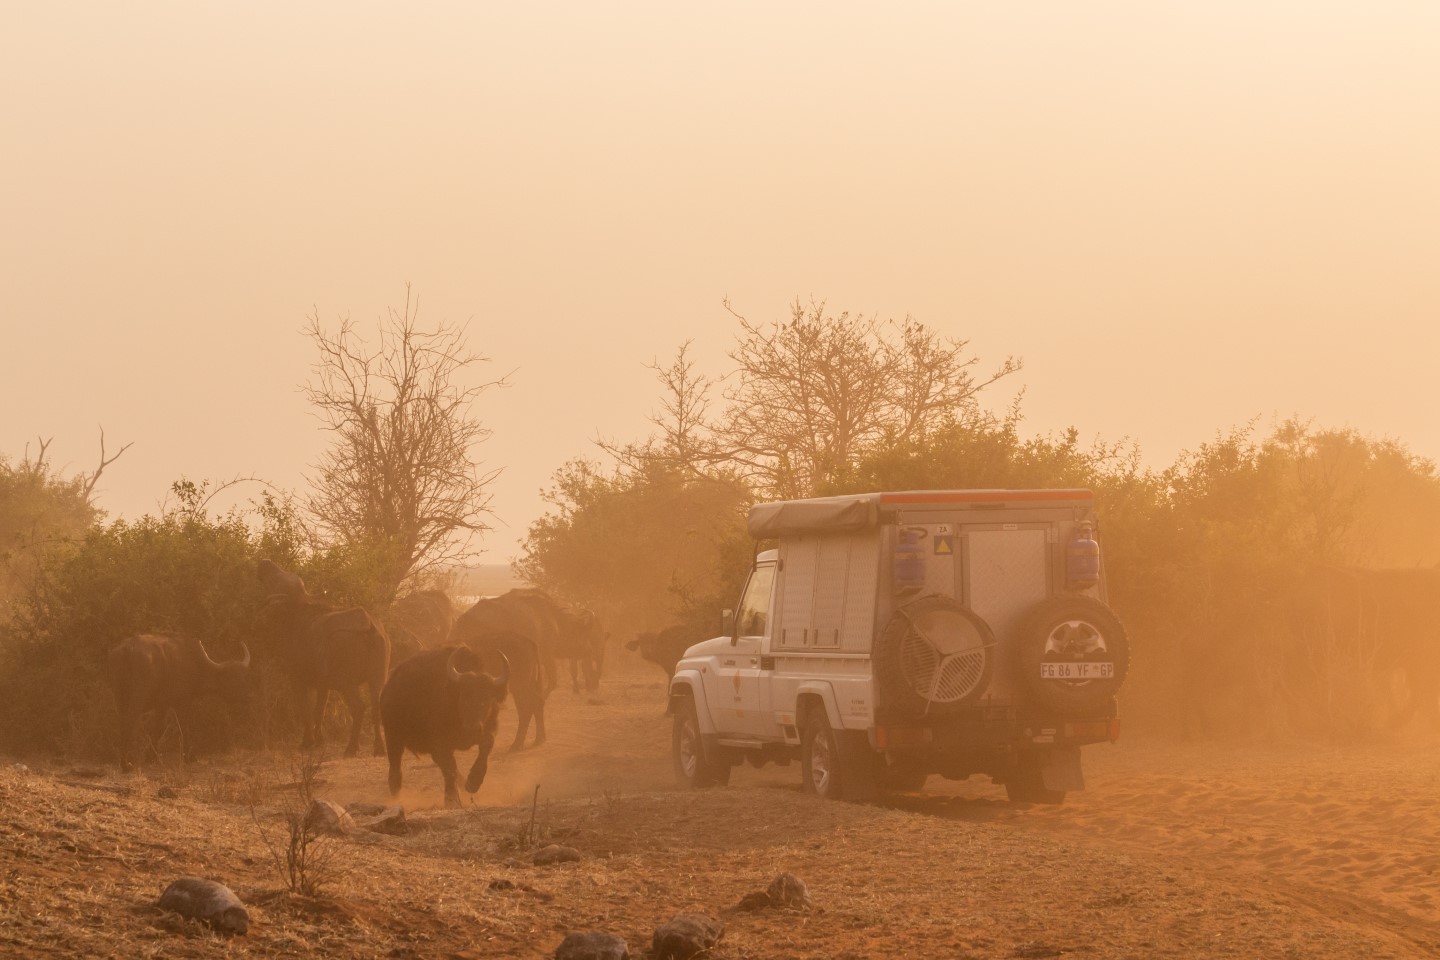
1066, 631
692, 769
834, 765
1026, 784
933, 658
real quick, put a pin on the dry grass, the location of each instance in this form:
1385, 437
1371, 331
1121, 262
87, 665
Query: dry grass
1134, 868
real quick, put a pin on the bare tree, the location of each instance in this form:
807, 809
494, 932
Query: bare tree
399, 476
684, 441
812, 394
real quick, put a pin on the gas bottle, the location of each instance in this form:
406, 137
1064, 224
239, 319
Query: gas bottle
1082, 559
909, 559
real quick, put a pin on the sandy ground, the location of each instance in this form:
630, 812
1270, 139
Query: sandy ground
1173, 851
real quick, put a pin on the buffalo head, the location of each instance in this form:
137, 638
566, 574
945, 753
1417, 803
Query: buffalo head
477, 701
232, 679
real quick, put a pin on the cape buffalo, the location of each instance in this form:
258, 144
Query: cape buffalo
436, 703
664, 649
524, 612
159, 672
327, 649
585, 647
522, 656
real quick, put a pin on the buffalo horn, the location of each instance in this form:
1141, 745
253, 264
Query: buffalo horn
504, 677
206, 654
450, 670
245, 660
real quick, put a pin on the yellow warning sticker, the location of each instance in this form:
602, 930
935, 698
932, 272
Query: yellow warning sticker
944, 545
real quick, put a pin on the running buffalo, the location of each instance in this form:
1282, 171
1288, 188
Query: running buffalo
438, 702
478, 630
160, 673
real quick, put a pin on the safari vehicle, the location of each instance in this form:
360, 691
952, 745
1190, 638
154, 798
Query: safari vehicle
892, 636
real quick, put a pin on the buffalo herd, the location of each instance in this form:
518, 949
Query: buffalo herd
433, 681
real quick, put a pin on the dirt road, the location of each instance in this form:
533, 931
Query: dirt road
1173, 851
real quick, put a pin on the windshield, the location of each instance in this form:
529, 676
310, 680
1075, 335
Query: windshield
753, 619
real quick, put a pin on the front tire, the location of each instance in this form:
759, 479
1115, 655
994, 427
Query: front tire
692, 769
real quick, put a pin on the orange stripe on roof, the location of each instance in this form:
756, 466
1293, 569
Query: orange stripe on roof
985, 496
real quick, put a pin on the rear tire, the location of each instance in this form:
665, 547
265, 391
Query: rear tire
692, 769
836, 766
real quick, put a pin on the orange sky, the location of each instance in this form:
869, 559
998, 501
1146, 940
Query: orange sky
1181, 215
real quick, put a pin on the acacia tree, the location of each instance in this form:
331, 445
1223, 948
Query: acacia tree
811, 395
399, 479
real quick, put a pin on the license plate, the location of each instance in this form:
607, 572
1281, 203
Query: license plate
1077, 671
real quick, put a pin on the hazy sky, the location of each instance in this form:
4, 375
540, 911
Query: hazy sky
1181, 215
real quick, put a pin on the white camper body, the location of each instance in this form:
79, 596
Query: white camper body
892, 636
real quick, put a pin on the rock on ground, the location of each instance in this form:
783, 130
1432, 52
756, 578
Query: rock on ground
327, 816
592, 945
389, 820
686, 936
208, 901
788, 890
546, 856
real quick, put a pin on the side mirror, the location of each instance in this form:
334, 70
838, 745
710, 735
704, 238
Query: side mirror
727, 624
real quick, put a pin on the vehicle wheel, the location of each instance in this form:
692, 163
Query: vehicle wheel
692, 769
832, 765
933, 658
1026, 785
1072, 635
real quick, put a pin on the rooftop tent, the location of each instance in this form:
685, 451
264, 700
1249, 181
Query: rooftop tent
862, 511
789, 517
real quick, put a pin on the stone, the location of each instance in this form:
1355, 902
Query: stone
365, 809
207, 901
759, 900
166, 792
553, 854
592, 945
788, 890
686, 936
389, 820
327, 816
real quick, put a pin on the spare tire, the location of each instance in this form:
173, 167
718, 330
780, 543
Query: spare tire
933, 657
1072, 655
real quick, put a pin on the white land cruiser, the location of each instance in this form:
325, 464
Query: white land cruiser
892, 636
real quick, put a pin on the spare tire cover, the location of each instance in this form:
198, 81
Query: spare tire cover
1073, 655
933, 657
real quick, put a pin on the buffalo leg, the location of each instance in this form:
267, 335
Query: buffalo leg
356, 706
317, 716
375, 688
575, 675
539, 721
397, 753
550, 669
445, 760
482, 762
302, 701
523, 712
